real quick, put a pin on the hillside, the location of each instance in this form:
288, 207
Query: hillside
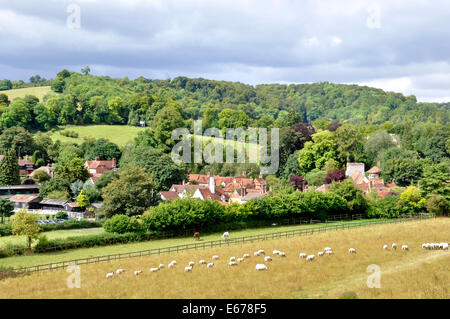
39, 92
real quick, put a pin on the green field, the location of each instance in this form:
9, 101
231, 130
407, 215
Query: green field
23, 261
39, 92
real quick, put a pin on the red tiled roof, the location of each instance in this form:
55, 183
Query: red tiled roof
21, 198
97, 163
169, 195
374, 170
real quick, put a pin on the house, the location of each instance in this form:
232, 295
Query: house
54, 204
48, 169
168, 195
243, 195
201, 192
8, 191
26, 166
230, 183
97, 167
25, 201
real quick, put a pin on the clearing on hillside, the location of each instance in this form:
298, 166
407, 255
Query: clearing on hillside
39, 92
416, 273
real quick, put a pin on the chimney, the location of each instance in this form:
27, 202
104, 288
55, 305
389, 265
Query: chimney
270, 188
209, 174
183, 182
260, 175
212, 185
378, 163
97, 158
27, 157
114, 162
244, 174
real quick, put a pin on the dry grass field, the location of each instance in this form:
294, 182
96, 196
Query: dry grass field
416, 273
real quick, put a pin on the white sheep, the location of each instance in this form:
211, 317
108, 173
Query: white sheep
210, 265
232, 263
385, 247
154, 269
215, 257
119, 271
256, 253
320, 253
329, 252
394, 246
189, 268
226, 235
202, 262
327, 248
261, 252
302, 255
405, 247
173, 262
246, 255
239, 260
170, 265
137, 272
310, 257
352, 250
261, 267
282, 254
110, 275
275, 252
191, 264
267, 258
232, 258
161, 266
445, 246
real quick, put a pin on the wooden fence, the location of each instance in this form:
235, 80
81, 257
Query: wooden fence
211, 244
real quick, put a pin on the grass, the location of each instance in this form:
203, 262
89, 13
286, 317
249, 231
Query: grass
39, 92
52, 235
37, 259
416, 273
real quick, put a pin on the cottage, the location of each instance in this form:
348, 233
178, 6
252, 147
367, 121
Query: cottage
53, 204
26, 166
25, 201
98, 167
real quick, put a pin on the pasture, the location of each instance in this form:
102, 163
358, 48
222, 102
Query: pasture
39, 92
416, 273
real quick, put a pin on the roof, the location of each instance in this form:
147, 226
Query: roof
20, 198
98, 163
252, 195
72, 204
374, 170
49, 201
169, 195
21, 161
32, 186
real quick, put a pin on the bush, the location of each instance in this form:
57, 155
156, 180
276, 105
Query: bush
42, 243
61, 215
437, 204
71, 224
5, 230
121, 224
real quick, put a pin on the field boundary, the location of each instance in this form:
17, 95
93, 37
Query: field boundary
206, 244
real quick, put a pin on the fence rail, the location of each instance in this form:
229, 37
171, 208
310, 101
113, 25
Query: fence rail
210, 244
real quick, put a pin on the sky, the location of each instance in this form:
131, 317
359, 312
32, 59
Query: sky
397, 45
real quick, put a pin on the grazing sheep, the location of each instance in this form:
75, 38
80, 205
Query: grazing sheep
161, 266
256, 253
137, 272
110, 275
445, 246
154, 269
329, 252
246, 256
310, 257
170, 265
215, 257
282, 254
232, 263
320, 253
239, 260
352, 250
191, 264
261, 252
173, 262
210, 265
226, 235
275, 252
119, 271
327, 248
394, 246
189, 268
405, 247
267, 258
202, 262
232, 258
302, 255
385, 247
261, 267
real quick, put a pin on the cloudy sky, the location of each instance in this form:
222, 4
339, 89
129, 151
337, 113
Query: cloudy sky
397, 45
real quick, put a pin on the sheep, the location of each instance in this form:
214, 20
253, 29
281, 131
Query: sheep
329, 252
210, 265
110, 275
173, 262
405, 247
137, 272
275, 252
154, 269
445, 246
119, 271
232, 258
226, 235
261, 252
191, 264
170, 265
239, 260
352, 250
161, 266
189, 268
394, 246
310, 258
320, 253
246, 255
232, 263
302, 255
202, 262
261, 267
256, 253
282, 254
327, 248
267, 258
215, 257
385, 247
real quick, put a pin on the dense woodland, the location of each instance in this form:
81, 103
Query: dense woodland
322, 126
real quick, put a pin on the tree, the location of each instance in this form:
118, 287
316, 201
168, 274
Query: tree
106, 178
17, 114
73, 170
315, 177
375, 144
6, 208
54, 184
101, 148
165, 121
411, 201
40, 176
356, 203
5, 85
349, 143
336, 176
18, 139
86, 70
58, 85
435, 179
438, 205
291, 167
298, 182
9, 169
121, 224
24, 224
59, 194
82, 200
130, 194
404, 171
63, 74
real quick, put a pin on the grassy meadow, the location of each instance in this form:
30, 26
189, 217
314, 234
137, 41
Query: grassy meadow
416, 273
39, 92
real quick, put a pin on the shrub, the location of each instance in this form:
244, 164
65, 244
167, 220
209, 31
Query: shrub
42, 243
121, 224
437, 204
71, 224
5, 230
61, 215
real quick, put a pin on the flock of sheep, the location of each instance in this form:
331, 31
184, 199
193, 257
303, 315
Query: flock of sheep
233, 261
